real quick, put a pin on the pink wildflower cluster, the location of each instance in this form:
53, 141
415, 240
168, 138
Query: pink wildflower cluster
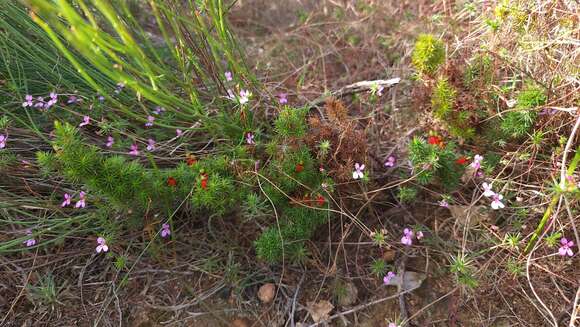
41, 102
387, 279
408, 236
495, 197
81, 203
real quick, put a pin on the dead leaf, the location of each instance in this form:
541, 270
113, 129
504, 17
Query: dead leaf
320, 310
389, 255
475, 214
412, 280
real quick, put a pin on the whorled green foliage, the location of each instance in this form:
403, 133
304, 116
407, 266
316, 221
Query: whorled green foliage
519, 122
434, 163
443, 104
442, 99
293, 187
298, 226
291, 122
128, 184
429, 54
479, 71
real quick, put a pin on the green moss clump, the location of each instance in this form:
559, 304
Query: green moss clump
429, 54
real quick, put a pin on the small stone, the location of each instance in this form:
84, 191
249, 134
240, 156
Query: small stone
267, 292
350, 295
240, 323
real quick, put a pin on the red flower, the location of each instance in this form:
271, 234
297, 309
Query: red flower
299, 168
462, 160
204, 181
190, 160
171, 182
320, 200
435, 140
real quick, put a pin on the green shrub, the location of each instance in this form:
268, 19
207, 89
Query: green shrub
130, 185
442, 99
429, 54
519, 122
433, 163
456, 120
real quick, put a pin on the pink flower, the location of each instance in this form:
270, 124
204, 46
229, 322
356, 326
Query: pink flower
66, 202
3, 139
52, 101
476, 164
380, 90
159, 110
31, 241
250, 138
229, 76
150, 120
496, 203
27, 101
565, 249
150, 145
40, 103
388, 277
231, 95
391, 160
407, 238
244, 96
282, 98
487, 190
72, 100
178, 132
419, 235
81, 203
86, 121
110, 141
119, 88
102, 245
165, 231
134, 150
443, 203
392, 324
358, 171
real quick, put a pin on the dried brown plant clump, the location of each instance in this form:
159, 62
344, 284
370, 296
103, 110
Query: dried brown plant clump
348, 143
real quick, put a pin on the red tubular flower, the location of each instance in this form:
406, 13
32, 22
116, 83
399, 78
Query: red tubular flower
435, 140
299, 168
190, 160
462, 160
320, 200
171, 182
204, 181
